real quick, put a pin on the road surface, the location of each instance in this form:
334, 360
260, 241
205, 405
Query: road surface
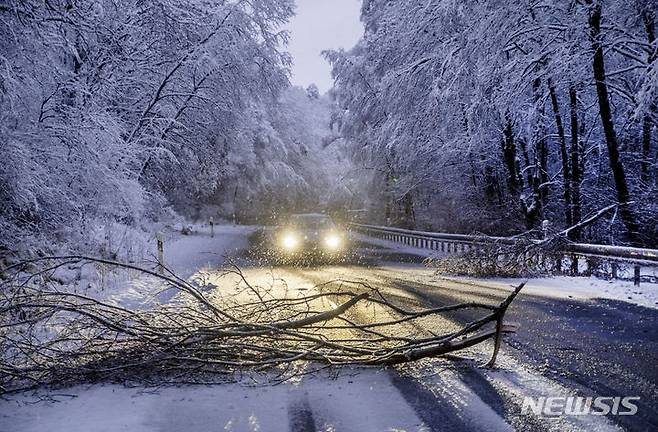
579, 347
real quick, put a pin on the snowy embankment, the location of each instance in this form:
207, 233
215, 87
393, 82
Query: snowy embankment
581, 288
564, 287
184, 255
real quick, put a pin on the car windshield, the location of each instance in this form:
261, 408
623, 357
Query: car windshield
311, 221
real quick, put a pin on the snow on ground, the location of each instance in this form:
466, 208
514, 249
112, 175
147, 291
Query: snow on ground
580, 287
331, 403
187, 254
518, 381
587, 288
184, 255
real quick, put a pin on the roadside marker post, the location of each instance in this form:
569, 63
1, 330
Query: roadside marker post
212, 227
160, 240
636, 275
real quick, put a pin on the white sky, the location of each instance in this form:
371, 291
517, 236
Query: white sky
320, 25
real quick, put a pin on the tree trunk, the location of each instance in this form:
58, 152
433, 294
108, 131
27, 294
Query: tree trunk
621, 186
509, 157
409, 214
647, 123
532, 211
576, 174
566, 172
541, 150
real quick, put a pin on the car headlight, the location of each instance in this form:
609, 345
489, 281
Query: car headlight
332, 241
289, 241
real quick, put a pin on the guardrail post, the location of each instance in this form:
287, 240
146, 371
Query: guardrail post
574, 265
613, 270
636, 275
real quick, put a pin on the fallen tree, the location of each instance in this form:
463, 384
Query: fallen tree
51, 335
522, 255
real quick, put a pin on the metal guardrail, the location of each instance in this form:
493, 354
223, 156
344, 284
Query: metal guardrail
616, 256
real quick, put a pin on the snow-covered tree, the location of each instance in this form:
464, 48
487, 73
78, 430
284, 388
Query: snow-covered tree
111, 110
498, 115
312, 91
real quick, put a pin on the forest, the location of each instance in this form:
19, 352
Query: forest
506, 117
491, 116
118, 114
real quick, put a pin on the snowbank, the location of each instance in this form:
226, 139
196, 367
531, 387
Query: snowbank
184, 255
588, 288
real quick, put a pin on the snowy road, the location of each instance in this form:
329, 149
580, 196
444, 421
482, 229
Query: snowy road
578, 346
565, 346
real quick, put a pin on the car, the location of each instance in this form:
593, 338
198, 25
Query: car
310, 236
